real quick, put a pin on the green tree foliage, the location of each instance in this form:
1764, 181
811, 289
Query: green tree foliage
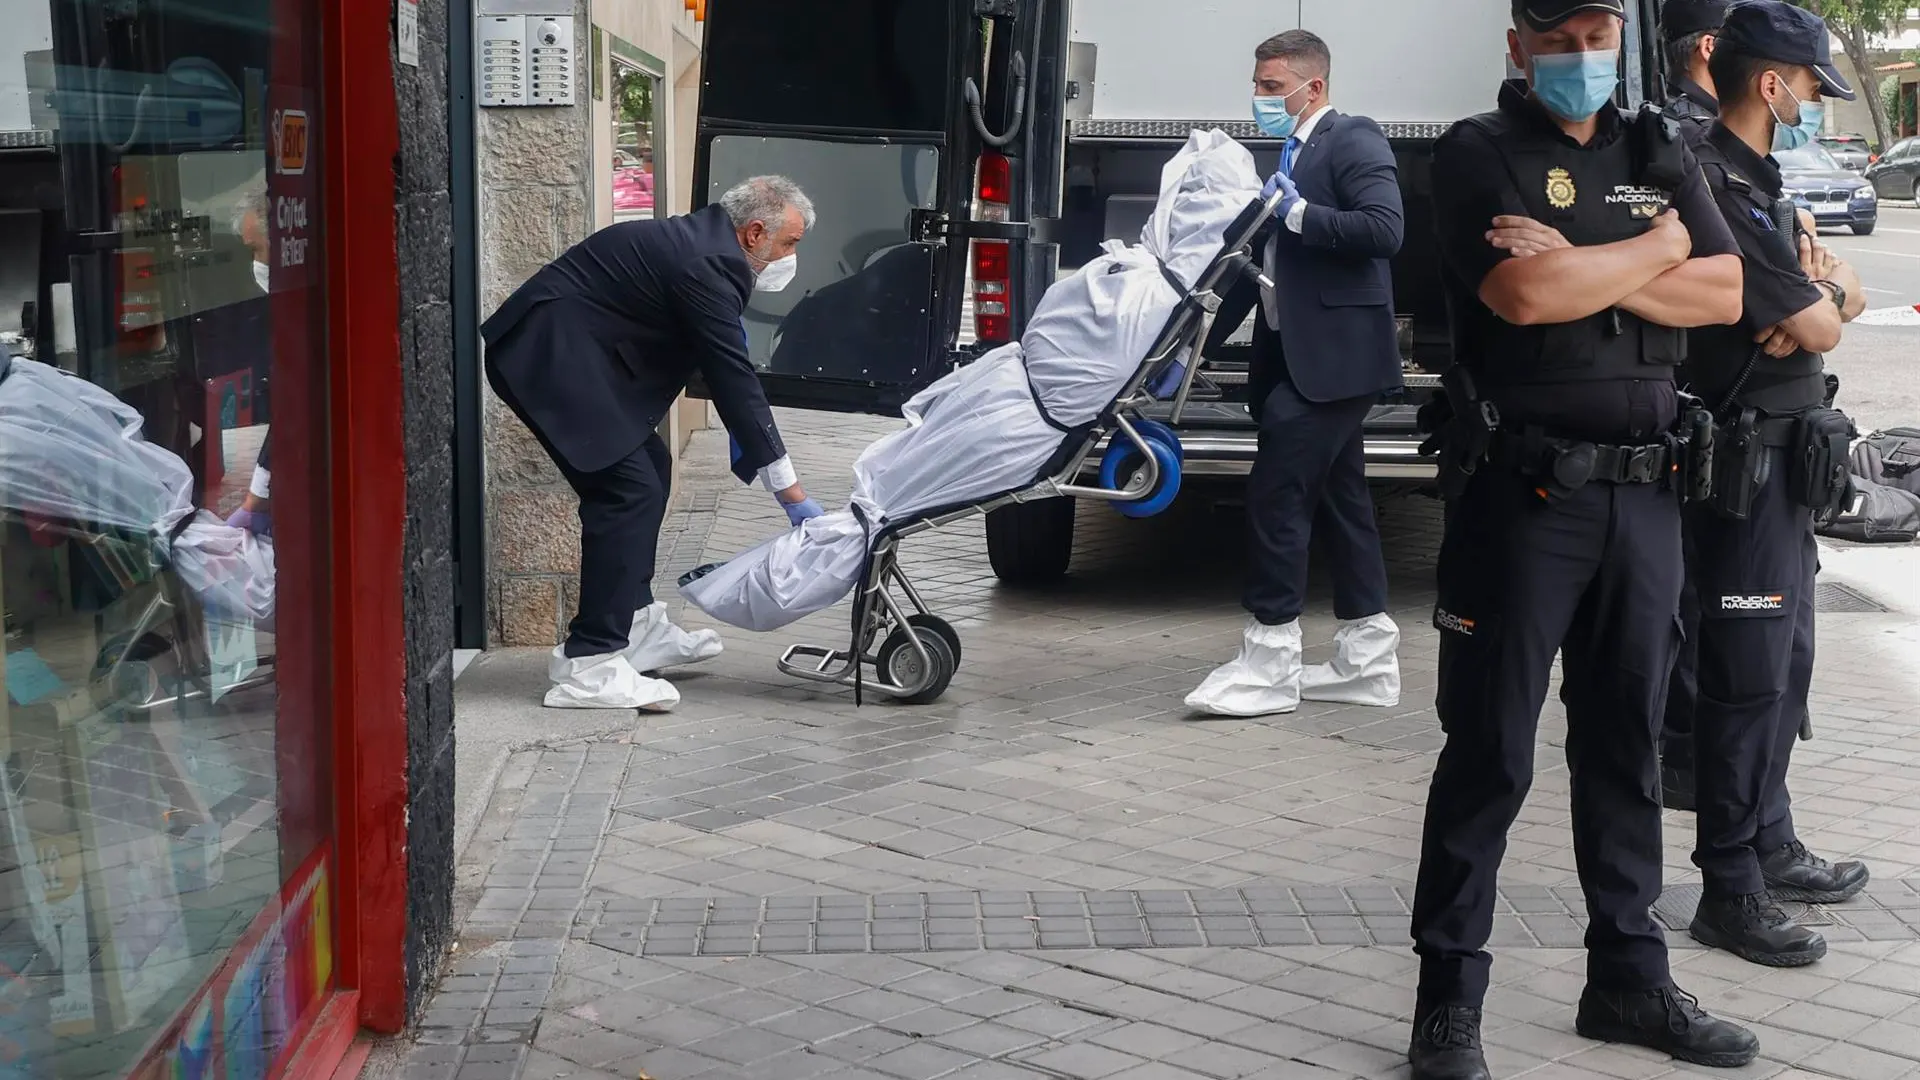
1854, 22
633, 95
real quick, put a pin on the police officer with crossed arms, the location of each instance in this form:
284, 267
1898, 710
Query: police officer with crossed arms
1578, 243
1780, 458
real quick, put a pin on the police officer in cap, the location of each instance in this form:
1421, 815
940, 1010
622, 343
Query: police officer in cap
1752, 546
1577, 242
1689, 28
1691, 31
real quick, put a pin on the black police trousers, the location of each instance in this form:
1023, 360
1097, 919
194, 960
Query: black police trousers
621, 509
1755, 582
1594, 577
1683, 689
1683, 686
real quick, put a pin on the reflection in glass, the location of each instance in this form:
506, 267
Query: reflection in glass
634, 94
160, 762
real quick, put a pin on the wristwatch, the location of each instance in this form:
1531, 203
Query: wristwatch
1839, 294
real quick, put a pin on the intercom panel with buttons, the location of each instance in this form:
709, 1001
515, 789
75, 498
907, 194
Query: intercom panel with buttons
526, 60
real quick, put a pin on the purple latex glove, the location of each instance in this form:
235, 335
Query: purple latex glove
1278, 183
804, 510
258, 522
1169, 382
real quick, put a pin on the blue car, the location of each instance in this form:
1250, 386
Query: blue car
1836, 196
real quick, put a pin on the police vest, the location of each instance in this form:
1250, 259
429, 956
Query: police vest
1592, 197
1697, 118
1778, 383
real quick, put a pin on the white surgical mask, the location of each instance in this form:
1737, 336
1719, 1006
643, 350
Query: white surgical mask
778, 274
260, 275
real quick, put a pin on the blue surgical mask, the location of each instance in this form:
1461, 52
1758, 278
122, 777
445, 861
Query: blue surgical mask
1574, 86
1794, 136
1271, 116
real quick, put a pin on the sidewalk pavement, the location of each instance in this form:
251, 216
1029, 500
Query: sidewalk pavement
1054, 872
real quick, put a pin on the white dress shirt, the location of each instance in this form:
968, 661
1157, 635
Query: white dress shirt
1297, 217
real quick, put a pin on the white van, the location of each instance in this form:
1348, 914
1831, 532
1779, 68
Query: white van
941, 224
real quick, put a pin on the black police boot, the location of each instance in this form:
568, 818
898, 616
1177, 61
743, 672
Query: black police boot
1794, 873
1676, 774
1668, 1020
1753, 928
1446, 1045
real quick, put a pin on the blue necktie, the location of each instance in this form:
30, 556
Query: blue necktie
1287, 154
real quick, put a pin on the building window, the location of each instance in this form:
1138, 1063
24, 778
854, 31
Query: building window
635, 146
164, 752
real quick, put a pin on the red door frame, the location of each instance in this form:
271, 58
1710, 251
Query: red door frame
361, 136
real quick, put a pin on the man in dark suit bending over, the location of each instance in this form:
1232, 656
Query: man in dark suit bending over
590, 354
1324, 350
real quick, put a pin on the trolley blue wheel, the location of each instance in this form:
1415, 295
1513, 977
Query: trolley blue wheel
1123, 457
1149, 429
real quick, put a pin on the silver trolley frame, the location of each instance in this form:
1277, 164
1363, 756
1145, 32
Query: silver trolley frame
898, 647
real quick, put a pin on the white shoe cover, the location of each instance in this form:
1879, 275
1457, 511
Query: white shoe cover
1365, 668
604, 682
655, 643
1264, 680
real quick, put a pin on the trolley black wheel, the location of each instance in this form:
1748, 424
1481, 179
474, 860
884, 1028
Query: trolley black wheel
941, 627
123, 646
900, 664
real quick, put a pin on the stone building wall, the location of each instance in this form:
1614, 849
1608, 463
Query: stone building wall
535, 202
423, 205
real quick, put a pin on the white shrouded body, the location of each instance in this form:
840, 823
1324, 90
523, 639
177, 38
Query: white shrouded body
979, 432
73, 454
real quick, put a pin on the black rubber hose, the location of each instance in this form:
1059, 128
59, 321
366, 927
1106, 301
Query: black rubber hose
1002, 141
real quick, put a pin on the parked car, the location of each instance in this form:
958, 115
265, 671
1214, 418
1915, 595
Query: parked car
1895, 174
1835, 196
1851, 151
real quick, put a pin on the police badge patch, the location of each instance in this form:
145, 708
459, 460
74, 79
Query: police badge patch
1560, 191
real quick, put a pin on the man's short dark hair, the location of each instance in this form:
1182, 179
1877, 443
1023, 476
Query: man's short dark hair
1301, 50
1736, 74
1682, 50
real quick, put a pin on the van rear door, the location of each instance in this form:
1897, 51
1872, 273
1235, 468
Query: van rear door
859, 102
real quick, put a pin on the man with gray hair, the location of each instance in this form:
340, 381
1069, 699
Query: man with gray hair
590, 353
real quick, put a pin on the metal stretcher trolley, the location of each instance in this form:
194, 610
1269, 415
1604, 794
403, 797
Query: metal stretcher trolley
900, 648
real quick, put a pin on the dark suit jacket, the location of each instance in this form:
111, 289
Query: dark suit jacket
592, 351
1330, 328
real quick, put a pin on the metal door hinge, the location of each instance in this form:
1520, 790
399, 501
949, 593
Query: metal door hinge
933, 227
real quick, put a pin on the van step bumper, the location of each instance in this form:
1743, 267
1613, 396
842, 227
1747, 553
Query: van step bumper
1220, 441
1230, 454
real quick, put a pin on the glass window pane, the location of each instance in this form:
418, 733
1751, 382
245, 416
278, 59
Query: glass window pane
634, 144
860, 64
858, 308
165, 773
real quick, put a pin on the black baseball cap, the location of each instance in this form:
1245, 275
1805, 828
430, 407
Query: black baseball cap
1773, 30
1547, 14
1681, 18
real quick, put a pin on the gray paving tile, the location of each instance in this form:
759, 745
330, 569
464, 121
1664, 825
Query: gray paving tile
1083, 1060
772, 883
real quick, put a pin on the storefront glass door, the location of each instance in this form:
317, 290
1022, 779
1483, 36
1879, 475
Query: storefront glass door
165, 772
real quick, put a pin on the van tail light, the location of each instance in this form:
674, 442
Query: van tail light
993, 259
